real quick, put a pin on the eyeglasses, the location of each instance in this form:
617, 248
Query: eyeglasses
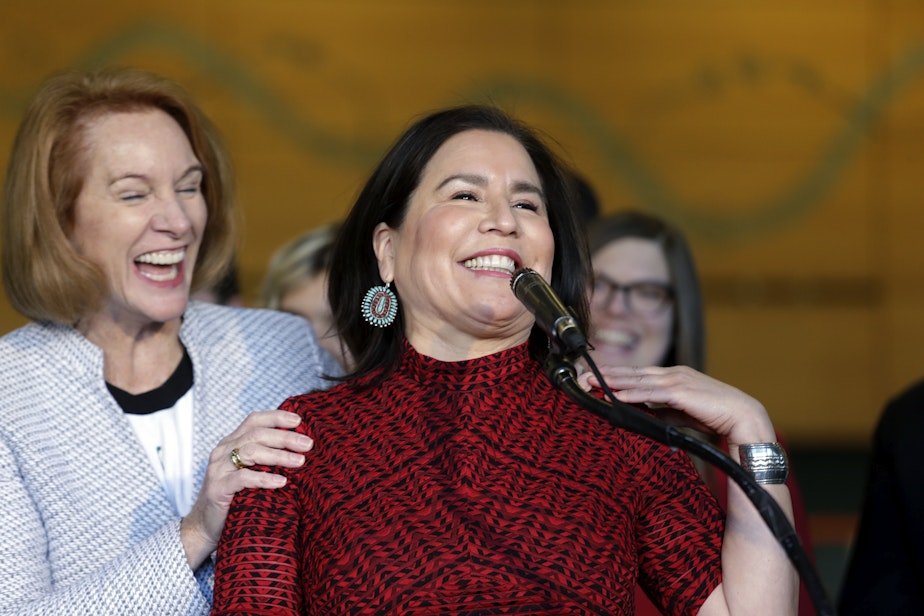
644, 298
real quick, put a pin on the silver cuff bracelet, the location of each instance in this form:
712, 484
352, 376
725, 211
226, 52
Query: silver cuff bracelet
765, 462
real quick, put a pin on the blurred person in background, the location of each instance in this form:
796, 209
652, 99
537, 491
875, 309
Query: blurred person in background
225, 292
885, 572
646, 305
296, 282
646, 309
129, 415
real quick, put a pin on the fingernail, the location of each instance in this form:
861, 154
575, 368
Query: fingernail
305, 442
278, 481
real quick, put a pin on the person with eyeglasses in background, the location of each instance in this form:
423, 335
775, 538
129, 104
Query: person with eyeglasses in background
646, 309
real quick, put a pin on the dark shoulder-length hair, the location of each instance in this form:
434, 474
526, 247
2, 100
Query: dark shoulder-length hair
385, 198
44, 276
688, 345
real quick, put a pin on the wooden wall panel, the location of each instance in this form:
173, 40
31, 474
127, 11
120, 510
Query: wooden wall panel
785, 138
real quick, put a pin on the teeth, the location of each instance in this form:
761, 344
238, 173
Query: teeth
616, 338
491, 262
168, 275
164, 257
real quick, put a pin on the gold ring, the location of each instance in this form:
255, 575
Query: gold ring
236, 459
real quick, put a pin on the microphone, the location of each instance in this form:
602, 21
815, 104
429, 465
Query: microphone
551, 314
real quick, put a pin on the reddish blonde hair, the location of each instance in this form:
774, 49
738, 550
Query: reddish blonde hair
44, 277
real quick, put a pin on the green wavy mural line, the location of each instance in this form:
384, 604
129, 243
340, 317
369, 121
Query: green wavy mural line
232, 75
747, 220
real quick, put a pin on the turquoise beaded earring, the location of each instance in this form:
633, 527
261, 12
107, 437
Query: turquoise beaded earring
380, 306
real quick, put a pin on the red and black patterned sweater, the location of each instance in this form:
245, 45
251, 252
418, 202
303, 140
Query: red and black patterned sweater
469, 487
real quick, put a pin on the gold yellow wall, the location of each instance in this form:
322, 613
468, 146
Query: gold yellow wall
786, 137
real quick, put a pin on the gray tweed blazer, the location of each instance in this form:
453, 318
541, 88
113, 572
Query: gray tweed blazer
85, 527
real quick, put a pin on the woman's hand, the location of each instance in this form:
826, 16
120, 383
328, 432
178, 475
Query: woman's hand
264, 438
686, 397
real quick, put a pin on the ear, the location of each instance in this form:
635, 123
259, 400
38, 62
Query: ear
384, 245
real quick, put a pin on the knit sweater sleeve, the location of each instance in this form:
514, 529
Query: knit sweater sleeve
153, 573
679, 534
84, 526
257, 570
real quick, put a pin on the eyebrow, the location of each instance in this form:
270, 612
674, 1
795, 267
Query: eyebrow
600, 277
193, 169
141, 176
480, 180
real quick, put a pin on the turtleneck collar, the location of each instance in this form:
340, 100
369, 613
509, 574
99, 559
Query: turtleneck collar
487, 371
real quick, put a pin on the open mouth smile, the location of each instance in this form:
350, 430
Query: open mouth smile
162, 265
491, 263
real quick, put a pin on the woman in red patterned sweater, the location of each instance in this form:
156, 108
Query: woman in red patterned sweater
448, 475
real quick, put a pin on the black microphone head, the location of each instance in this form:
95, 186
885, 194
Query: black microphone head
518, 276
552, 316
